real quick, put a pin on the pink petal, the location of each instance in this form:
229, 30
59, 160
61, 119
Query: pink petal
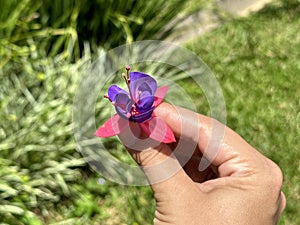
158, 130
112, 126
160, 94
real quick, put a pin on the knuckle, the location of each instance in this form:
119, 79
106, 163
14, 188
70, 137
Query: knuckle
276, 174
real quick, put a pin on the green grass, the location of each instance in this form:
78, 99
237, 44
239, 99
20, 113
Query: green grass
257, 63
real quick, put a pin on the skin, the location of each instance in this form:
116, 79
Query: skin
238, 186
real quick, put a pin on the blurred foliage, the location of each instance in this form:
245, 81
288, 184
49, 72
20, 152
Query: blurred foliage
44, 48
38, 157
65, 26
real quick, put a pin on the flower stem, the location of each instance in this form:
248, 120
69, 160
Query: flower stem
107, 97
127, 80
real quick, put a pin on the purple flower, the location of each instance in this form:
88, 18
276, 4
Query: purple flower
136, 107
137, 104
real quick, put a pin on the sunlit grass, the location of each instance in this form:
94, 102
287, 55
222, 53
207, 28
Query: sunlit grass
256, 61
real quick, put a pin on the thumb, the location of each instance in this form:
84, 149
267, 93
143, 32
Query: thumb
162, 169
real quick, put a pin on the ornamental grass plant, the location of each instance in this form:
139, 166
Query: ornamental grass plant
45, 47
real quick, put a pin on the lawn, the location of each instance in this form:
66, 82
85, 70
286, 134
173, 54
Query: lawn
257, 63
44, 180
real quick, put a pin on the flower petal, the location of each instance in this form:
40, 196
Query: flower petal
145, 103
137, 75
112, 126
144, 87
123, 103
143, 116
143, 84
113, 90
160, 94
158, 130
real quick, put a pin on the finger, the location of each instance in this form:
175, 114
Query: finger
282, 203
216, 142
157, 160
191, 165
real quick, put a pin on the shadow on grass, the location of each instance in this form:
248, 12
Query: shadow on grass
290, 7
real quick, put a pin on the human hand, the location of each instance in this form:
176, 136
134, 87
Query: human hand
237, 186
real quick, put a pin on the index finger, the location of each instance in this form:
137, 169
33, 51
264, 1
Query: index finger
215, 140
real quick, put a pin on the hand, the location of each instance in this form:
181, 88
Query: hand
237, 185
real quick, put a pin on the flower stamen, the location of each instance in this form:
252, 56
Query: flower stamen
127, 74
127, 80
107, 97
